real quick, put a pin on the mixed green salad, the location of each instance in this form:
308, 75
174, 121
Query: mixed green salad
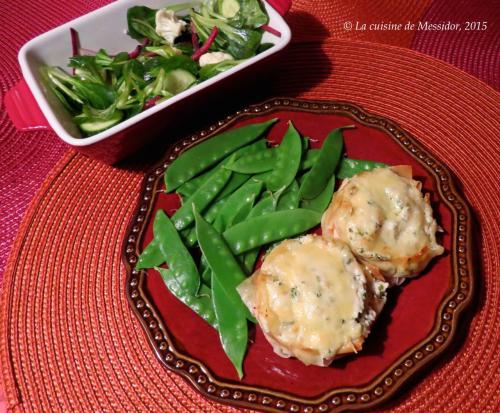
181, 46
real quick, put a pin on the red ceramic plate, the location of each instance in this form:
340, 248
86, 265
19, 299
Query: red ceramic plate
417, 324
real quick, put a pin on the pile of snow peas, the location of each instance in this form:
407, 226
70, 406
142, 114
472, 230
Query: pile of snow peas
238, 196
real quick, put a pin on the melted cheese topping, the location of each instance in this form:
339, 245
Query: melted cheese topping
308, 297
385, 220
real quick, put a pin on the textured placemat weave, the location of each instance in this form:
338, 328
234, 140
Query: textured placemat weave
70, 342
26, 158
474, 48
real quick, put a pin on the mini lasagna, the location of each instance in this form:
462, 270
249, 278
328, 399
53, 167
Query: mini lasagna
386, 221
313, 300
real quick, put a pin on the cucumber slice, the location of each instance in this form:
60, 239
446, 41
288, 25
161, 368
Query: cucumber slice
95, 126
178, 80
229, 8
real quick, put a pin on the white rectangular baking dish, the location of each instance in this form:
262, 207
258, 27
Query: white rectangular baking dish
106, 28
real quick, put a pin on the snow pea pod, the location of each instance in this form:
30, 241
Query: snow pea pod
290, 197
210, 215
309, 159
150, 257
321, 202
288, 158
350, 167
232, 185
229, 309
202, 156
189, 237
213, 211
238, 179
316, 179
240, 201
232, 324
242, 213
188, 188
264, 206
175, 254
255, 163
249, 259
268, 228
201, 304
201, 198
263, 177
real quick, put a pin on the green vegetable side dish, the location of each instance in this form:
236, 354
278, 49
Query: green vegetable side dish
231, 216
264, 206
308, 160
289, 154
321, 202
151, 256
182, 277
323, 168
237, 203
174, 252
187, 189
289, 198
209, 152
201, 303
275, 226
230, 310
180, 46
183, 217
262, 161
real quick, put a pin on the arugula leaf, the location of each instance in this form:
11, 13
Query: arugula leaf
103, 59
153, 66
72, 103
253, 14
250, 13
159, 86
141, 24
86, 68
244, 43
130, 87
241, 43
165, 50
185, 48
59, 80
182, 6
97, 95
208, 71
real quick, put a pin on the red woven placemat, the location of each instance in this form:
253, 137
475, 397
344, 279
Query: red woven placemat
476, 47
61, 351
26, 158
